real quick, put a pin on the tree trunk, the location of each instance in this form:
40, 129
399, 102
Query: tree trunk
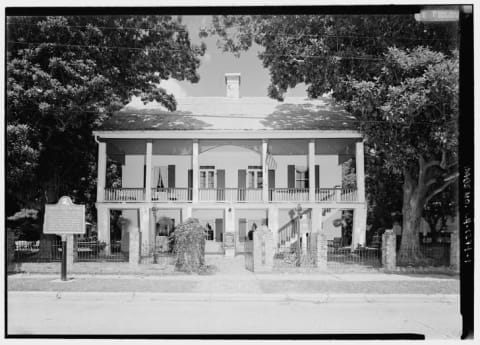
413, 201
48, 250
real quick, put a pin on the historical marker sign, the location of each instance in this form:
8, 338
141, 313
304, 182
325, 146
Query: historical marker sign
64, 218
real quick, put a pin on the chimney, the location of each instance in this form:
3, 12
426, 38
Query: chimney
232, 80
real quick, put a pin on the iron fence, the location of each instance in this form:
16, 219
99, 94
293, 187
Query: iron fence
155, 254
339, 257
38, 251
427, 254
91, 250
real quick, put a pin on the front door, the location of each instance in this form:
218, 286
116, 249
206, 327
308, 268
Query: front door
213, 235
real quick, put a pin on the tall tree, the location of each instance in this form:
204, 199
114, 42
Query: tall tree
398, 77
65, 75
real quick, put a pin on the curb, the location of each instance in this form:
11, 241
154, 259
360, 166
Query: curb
254, 277
236, 297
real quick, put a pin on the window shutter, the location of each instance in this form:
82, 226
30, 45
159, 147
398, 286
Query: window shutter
144, 175
219, 230
171, 176
307, 179
190, 183
242, 184
242, 229
317, 176
271, 183
291, 176
221, 184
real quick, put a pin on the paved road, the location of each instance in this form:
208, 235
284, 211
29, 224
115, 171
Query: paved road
149, 313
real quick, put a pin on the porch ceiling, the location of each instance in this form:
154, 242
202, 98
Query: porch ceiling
220, 113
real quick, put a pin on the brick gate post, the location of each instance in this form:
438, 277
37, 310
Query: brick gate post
389, 254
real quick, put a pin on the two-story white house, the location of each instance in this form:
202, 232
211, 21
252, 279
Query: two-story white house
232, 162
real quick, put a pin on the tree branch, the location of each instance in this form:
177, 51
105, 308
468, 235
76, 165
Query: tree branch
448, 181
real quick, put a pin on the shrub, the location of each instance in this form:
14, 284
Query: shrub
189, 246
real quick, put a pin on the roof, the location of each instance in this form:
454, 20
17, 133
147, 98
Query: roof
221, 113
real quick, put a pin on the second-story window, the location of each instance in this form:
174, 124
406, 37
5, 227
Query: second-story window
301, 177
207, 177
254, 177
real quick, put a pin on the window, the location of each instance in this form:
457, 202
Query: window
301, 177
207, 177
160, 177
254, 177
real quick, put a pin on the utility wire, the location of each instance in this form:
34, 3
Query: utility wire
298, 57
276, 35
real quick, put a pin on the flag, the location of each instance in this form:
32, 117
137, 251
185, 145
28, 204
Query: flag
270, 161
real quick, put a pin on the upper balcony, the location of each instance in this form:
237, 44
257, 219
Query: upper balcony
231, 195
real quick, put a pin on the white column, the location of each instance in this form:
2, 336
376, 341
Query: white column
360, 171
229, 230
311, 170
101, 170
265, 171
148, 171
103, 227
273, 223
195, 169
359, 226
317, 219
145, 229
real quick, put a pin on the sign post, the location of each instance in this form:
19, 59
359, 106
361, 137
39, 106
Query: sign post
64, 258
64, 218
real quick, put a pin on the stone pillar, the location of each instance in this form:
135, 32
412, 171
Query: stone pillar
148, 171
264, 170
360, 171
319, 249
454, 251
103, 227
273, 223
146, 243
10, 250
195, 172
317, 219
359, 226
389, 250
101, 170
229, 234
262, 251
134, 246
311, 170
186, 212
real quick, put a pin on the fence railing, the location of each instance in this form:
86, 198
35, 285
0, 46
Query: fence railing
172, 194
124, 194
34, 251
90, 250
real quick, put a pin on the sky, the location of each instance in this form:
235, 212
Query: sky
214, 65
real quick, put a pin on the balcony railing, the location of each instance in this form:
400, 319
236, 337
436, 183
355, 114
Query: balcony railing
288, 194
229, 194
124, 194
322, 195
335, 195
172, 194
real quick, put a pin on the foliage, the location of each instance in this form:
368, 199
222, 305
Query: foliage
322, 50
409, 114
189, 246
65, 75
349, 176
